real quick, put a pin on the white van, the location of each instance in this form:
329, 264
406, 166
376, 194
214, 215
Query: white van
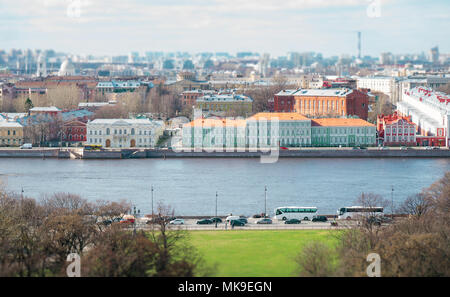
230, 218
26, 146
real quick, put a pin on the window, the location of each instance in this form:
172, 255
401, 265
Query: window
107, 131
132, 131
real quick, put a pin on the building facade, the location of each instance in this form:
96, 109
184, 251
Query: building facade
430, 111
384, 84
278, 129
214, 133
11, 133
124, 133
396, 130
74, 132
342, 132
265, 130
225, 103
331, 103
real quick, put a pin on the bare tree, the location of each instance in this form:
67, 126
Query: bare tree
416, 205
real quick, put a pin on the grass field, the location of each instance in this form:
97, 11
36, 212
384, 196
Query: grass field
255, 253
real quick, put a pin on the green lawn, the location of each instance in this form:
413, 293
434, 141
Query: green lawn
255, 253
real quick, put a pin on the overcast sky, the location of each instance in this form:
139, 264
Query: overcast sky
273, 26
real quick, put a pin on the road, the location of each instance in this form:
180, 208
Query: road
191, 224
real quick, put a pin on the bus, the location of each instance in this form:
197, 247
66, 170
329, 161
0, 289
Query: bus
92, 147
352, 212
295, 212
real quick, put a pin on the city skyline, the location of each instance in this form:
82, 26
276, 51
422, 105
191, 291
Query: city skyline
226, 26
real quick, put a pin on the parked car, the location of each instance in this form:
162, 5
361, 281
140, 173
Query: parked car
177, 222
204, 222
236, 223
319, 219
26, 146
160, 219
259, 215
264, 221
436, 148
292, 221
243, 220
214, 220
428, 148
403, 147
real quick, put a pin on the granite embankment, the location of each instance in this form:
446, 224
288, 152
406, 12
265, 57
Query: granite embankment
150, 153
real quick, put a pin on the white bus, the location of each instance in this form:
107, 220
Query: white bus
295, 212
352, 212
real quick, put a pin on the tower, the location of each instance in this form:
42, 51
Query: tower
359, 45
41, 66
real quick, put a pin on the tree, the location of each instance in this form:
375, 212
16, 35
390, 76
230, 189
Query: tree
28, 105
316, 259
416, 205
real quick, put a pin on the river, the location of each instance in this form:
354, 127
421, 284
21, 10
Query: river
189, 185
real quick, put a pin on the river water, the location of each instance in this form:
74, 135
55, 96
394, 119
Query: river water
189, 185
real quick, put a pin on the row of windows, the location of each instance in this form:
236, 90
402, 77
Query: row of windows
340, 130
119, 132
400, 130
98, 140
13, 132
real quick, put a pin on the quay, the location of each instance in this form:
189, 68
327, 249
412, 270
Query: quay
79, 153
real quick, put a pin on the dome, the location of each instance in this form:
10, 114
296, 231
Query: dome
66, 68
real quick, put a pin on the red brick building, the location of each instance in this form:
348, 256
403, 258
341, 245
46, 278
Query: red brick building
396, 130
74, 131
323, 102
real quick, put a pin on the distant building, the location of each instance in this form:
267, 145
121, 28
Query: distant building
124, 133
327, 102
11, 133
74, 132
383, 84
430, 111
396, 130
117, 86
51, 111
189, 98
223, 103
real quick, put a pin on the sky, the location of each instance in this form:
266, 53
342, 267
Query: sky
113, 27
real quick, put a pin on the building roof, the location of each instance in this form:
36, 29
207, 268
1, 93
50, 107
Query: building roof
281, 116
6, 124
123, 122
340, 122
341, 92
45, 109
224, 98
75, 114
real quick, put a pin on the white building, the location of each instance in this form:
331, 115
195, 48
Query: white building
124, 133
429, 110
385, 84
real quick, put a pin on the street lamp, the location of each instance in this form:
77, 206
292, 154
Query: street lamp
392, 201
152, 201
265, 201
216, 210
